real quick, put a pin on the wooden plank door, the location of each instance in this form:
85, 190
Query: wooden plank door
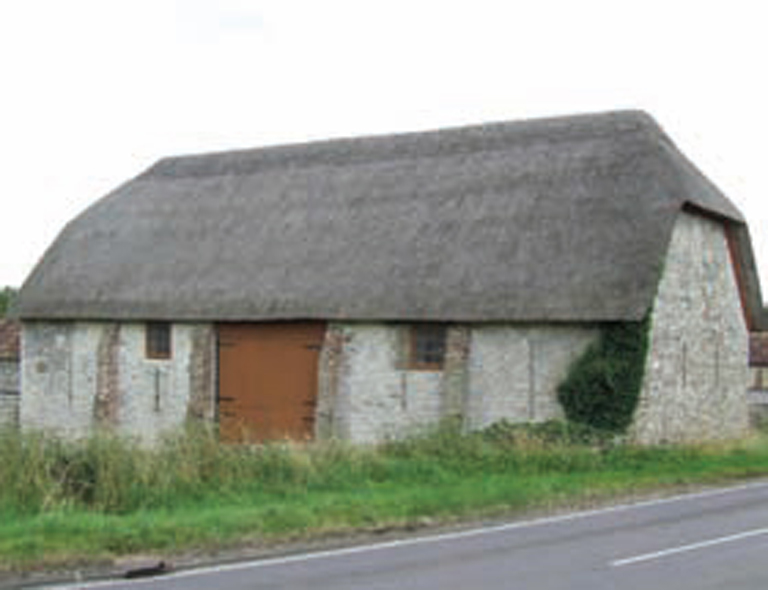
268, 380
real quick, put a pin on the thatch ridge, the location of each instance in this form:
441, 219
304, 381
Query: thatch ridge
564, 219
471, 139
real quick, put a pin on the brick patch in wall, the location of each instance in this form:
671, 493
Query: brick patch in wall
455, 373
326, 413
202, 405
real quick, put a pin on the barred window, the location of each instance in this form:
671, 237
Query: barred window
158, 340
427, 347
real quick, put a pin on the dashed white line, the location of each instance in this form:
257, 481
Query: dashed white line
690, 547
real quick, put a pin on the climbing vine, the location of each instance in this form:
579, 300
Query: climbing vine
603, 386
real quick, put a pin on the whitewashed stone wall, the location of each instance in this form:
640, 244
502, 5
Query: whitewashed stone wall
514, 371
80, 375
697, 369
375, 398
495, 373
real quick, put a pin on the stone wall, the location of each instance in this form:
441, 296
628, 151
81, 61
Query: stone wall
373, 397
9, 393
515, 371
368, 393
696, 372
78, 376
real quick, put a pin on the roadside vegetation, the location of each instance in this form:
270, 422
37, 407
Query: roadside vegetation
92, 501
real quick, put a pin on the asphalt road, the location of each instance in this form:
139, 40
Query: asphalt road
713, 539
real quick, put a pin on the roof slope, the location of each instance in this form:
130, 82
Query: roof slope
563, 219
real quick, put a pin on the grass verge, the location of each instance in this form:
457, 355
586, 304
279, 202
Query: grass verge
93, 501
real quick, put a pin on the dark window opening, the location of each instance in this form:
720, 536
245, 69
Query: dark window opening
158, 342
427, 347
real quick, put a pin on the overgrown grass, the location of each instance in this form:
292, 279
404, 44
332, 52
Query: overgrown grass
104, 497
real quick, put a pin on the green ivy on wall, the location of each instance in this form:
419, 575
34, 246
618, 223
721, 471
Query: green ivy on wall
603, 386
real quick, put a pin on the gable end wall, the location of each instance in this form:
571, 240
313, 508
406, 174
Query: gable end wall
697, 367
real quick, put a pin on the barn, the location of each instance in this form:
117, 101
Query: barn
363, 288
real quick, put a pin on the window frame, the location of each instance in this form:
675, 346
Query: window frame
158, 341
421, 344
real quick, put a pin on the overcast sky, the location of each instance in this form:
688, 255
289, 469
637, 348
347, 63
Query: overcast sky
94, 91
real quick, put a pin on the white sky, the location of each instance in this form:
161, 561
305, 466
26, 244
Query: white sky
94, 91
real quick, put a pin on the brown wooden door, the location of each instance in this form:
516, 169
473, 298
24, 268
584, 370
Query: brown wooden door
268, 380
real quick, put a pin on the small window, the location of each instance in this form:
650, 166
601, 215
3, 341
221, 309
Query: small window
427, 347
158, 342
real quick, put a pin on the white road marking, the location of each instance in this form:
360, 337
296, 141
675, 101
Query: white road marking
690, 547
303, 557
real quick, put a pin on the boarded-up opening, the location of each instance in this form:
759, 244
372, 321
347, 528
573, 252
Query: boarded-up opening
268, 380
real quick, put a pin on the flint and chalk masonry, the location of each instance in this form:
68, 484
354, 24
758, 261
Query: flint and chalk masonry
696, 371
515, 371
490, 374
376, 397
366, 391
83, 375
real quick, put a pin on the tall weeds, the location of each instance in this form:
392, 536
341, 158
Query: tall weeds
114, 475
111, 475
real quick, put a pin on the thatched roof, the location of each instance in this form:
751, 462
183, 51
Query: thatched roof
563, 219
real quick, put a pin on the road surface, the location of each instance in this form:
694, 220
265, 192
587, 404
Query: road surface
713, 539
